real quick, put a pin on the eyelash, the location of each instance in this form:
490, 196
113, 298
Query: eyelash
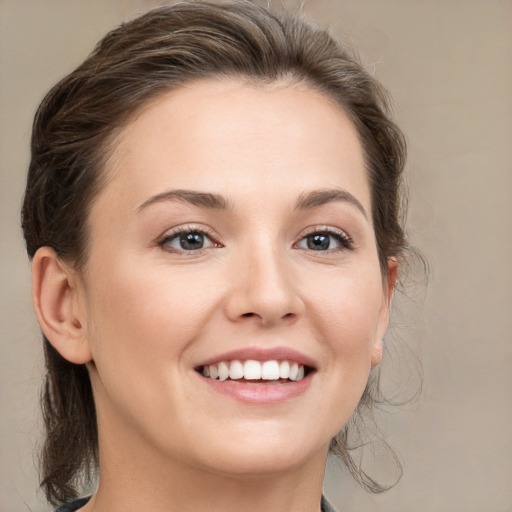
164, 242
344, 241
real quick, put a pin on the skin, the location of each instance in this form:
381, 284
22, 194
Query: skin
142, 314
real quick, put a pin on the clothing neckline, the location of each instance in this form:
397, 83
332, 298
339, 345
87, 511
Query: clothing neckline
80, 502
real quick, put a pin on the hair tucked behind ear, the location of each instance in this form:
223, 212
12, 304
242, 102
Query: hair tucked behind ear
75, 127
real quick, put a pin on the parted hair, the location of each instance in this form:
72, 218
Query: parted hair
74, 132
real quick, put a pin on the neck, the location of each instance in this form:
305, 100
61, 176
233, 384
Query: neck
143, 479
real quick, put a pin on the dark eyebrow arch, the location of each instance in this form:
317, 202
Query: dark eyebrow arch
318, 198
200, 199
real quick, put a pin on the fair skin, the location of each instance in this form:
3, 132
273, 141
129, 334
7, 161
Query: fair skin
280, 265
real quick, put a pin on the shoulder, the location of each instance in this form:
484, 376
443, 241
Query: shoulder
73, 505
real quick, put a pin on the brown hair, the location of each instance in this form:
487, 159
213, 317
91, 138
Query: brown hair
76, 124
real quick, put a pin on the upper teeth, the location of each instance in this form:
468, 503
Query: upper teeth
255, 370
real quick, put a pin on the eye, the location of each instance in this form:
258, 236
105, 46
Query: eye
325, 240
187, 240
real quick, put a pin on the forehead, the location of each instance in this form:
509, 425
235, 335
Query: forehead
227, 135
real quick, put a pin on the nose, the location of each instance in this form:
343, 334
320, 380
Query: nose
264, 289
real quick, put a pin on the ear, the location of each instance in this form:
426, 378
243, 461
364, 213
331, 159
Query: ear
56, 294
388, 288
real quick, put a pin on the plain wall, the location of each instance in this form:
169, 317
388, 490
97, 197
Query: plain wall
448, 66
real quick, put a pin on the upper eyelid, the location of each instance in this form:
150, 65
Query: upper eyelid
325, 229
189, 228
171, 233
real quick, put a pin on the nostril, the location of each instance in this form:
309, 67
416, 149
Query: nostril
287, 316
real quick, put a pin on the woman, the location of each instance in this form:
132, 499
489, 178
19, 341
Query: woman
213, 215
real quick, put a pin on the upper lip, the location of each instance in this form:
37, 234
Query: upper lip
261, 354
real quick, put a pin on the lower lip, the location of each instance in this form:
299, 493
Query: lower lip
259, 393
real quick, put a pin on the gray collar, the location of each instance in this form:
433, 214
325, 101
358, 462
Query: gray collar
326, 506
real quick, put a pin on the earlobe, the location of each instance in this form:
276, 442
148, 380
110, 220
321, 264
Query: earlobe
57, 306
377, 351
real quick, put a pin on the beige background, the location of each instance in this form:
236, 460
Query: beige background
448, 65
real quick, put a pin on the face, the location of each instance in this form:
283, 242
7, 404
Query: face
234, 237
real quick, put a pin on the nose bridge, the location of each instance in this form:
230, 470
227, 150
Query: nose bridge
265, 285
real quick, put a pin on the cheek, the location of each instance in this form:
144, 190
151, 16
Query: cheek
143, 325
347, 317
141, 318
348, 309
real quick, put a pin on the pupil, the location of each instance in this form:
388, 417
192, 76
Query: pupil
319, 242
192, 241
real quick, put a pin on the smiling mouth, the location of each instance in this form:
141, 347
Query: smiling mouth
252, 371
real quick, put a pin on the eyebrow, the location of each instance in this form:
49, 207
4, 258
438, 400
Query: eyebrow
309, 200
317, 198
201, 199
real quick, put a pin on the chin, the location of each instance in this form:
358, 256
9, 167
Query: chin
262, 455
